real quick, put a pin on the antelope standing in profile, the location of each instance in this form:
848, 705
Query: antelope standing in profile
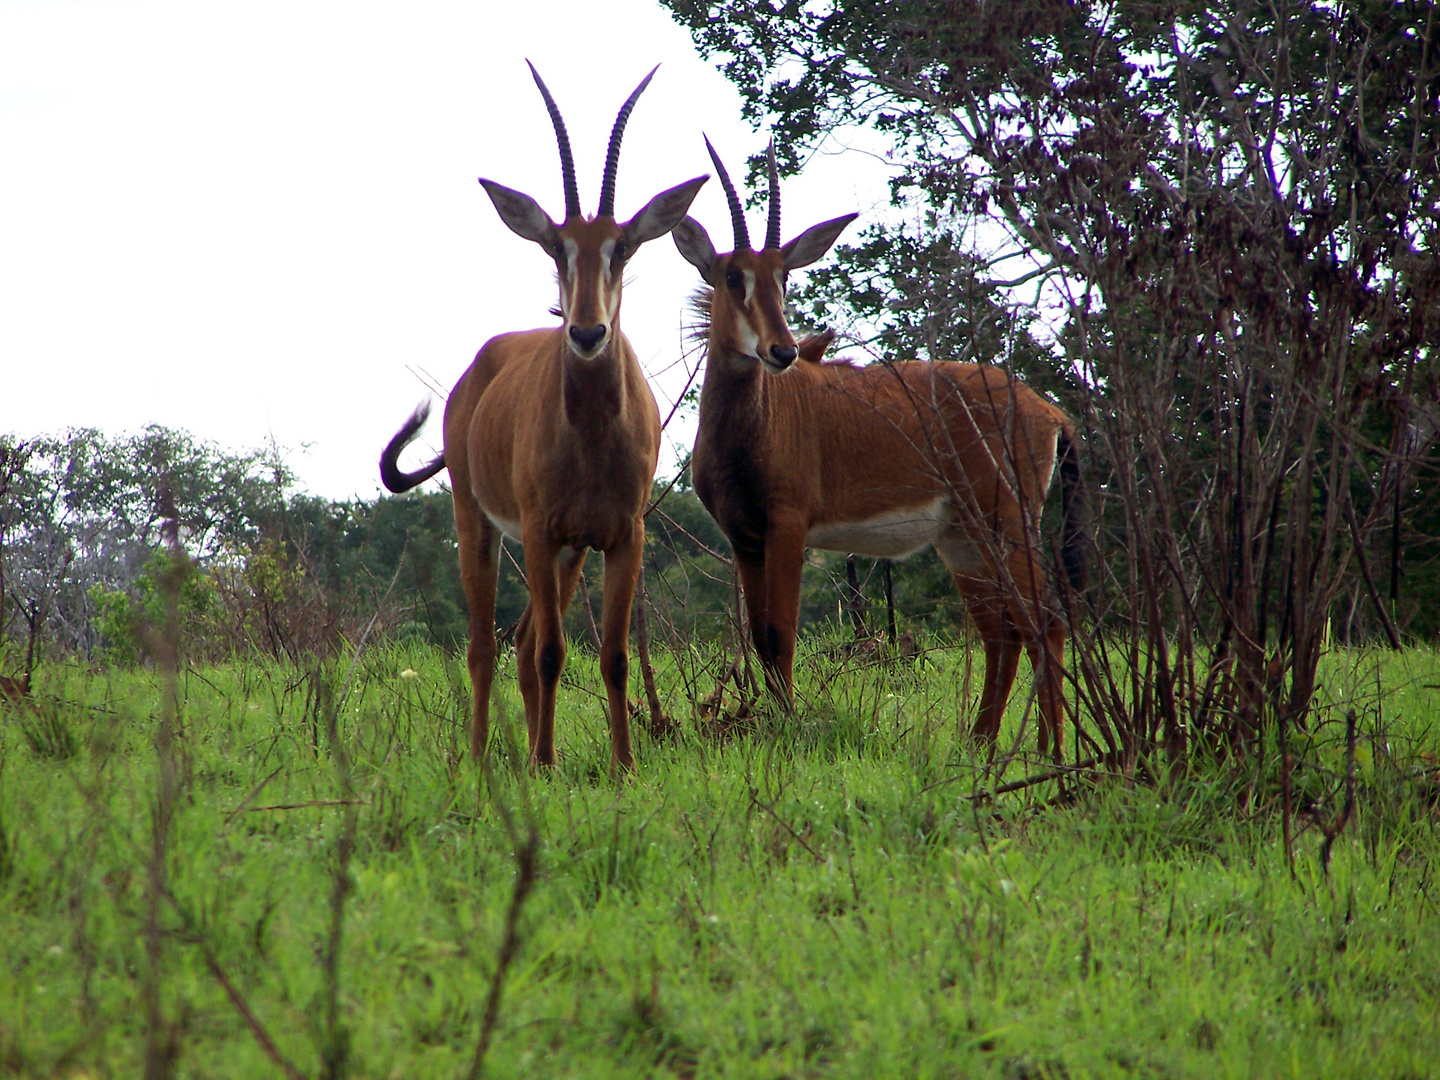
878, 460
551, 439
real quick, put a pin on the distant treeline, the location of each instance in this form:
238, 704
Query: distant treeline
286, 573
289, 574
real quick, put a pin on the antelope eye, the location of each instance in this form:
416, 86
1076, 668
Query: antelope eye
734, 279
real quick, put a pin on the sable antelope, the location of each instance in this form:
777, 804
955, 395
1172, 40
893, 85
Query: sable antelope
551, 439
877, 460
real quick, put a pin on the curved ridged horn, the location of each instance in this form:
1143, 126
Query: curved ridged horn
737, 214
772, 230
612, 157
567, 163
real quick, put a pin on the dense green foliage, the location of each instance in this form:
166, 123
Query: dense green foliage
287, 574
1209, 230
811, 897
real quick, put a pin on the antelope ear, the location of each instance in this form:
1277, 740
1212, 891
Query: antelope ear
662, 213
523, 215
814, 242
694, 244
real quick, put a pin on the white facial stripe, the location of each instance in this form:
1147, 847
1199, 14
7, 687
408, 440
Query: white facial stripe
749, 286
749, 340
609, 290
567, 281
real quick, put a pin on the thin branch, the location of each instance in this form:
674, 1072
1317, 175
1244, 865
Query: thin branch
1336, 827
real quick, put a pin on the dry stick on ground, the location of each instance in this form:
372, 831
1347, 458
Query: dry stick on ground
526, 852
335, 1049
1336, 827
1087, 766
770, 809
250, 797
212, 962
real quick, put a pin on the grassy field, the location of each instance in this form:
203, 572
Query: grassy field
814, 897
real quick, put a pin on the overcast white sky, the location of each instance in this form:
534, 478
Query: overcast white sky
251, 219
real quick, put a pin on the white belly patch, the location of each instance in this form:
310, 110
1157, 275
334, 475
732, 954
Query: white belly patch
510, 528
891, 535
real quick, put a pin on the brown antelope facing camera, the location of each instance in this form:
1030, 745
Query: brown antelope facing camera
551, 438
878, 460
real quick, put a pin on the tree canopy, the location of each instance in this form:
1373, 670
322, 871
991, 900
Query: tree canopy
1225, 221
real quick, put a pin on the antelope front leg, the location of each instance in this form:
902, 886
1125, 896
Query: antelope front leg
526, 675
784, 558
479, 544
1047, 656
986, 606
622, 571
752, 585
569, 567
1043, 629
548, 638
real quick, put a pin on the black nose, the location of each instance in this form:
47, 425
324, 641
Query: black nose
784, 355
587, 337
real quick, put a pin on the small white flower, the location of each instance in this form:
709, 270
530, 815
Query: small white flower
409, 673
1007, 886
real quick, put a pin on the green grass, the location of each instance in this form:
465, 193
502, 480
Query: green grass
811, 897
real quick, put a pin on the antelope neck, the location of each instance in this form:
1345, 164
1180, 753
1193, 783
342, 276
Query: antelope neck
593, 391
733, 396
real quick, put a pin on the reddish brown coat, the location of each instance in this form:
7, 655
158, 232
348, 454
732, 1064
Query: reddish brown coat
551, 438
877, 460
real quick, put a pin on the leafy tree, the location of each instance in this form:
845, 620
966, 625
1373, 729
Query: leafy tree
86, 510
1232, 208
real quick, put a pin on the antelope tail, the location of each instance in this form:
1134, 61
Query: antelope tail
1072, 499
390, 474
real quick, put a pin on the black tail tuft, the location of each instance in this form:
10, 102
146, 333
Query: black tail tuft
1072, 498
390, 474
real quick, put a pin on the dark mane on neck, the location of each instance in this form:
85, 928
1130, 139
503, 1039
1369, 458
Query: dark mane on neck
699, 330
